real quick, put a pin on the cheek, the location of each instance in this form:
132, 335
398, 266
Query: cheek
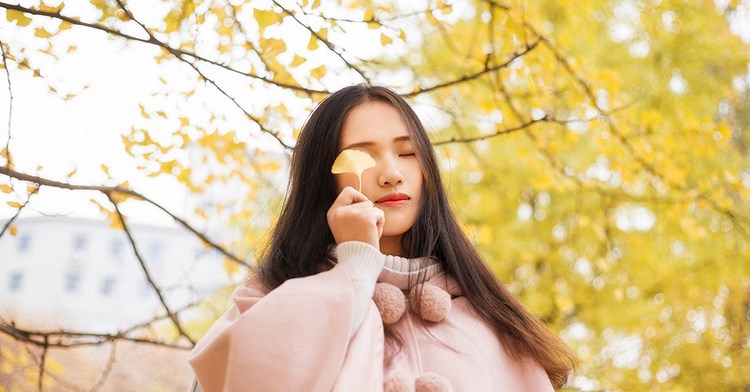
346, 179
415, 175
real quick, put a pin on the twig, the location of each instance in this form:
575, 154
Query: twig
156, 42
107, 369
42, 361
68, 339
333, 48
115, 190
466, 78
10, 106
150, 280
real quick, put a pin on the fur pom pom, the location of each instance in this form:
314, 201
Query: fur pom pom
397, 382
434, 302
432, 382
390, 302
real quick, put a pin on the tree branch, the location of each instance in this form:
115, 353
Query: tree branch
179, 57
156, 42
10, 106
67, 339
117, 190
333, 48
466, 78
150, 280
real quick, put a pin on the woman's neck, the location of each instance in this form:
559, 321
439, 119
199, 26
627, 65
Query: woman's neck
392, 246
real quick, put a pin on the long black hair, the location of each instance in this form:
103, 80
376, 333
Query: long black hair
301, 240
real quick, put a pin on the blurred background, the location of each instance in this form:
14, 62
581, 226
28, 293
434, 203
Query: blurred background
596, 151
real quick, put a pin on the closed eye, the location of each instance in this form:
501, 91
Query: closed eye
407, 155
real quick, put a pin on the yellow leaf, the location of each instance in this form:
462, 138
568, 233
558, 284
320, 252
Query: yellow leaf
18, 16
143, 112
298, 60
201, 213
265, 18
162, 114
56, 10
14, 204
318, 72
272, 46
5, 188
42, 33
369, 15
385, 40
184, 121
353, 161
31, 189
105, 169
323, 34
230, 266
65, 25
313, 44
13, 230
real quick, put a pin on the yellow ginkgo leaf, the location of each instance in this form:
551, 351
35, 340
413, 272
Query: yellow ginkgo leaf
385, 40
353, 161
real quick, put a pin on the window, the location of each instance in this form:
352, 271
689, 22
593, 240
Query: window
79, 242
116, 249
23, 243
15, 282
108, 286
71, 282
155, 251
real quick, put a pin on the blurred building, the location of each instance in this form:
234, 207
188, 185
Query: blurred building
81, 274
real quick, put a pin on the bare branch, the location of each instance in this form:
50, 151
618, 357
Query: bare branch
42, 361
150, 280
202, 75
18, 212
118, 190
156, 42
10, 106
466, 78
107, 369
75, 339
333, 48
522, 126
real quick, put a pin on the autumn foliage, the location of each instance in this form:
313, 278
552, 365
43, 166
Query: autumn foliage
597, 151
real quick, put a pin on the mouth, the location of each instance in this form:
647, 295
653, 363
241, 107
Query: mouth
394, 200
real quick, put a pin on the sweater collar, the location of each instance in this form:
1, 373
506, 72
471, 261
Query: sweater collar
404, 272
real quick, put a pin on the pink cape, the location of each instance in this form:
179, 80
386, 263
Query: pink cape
296, 338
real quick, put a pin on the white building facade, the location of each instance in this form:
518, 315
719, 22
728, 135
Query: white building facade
81, 274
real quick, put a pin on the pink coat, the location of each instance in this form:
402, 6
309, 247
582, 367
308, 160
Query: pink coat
296, 338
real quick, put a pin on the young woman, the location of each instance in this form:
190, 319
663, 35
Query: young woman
378, 289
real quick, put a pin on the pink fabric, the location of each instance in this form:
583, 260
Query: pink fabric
296, 338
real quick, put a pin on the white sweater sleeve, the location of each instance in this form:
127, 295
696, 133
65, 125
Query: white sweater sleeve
363, 263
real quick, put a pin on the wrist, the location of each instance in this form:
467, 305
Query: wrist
360, 259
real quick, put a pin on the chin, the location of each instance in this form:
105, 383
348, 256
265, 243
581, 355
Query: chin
395, 231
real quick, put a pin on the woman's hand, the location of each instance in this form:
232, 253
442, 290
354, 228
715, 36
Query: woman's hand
353, 217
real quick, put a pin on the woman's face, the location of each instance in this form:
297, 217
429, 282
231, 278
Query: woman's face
377, 128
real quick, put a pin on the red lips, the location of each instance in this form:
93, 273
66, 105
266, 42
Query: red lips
393, 197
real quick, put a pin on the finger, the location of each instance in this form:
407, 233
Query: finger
350, 196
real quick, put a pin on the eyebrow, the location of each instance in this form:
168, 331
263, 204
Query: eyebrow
399, 139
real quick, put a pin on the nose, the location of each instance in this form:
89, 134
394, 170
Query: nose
389, 172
